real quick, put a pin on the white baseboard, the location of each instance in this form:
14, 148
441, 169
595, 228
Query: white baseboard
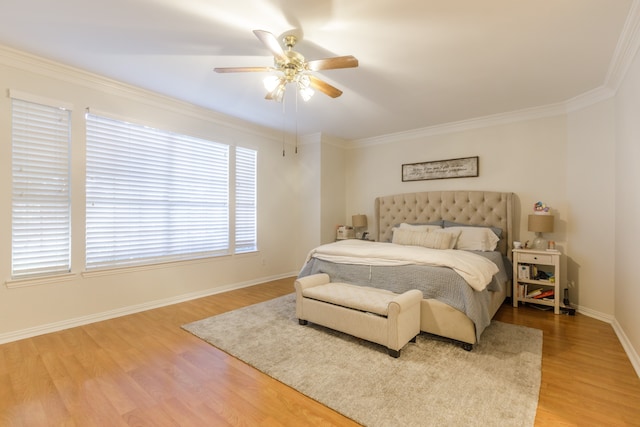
632, 354
595, 314
628, 348
98, 317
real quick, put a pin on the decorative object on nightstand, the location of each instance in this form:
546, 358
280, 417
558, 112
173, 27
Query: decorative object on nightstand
536, 278
344, 232
359, 222
540, 222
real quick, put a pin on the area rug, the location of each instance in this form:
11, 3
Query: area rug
433, 383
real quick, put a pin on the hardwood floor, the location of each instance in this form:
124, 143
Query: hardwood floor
143, 370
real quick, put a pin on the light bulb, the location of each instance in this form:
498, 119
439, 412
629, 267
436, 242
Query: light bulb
304, 81
271, 82
306, 93
278, 92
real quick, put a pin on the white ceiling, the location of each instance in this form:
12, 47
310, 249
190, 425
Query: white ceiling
422, 62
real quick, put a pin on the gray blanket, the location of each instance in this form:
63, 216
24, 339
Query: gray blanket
439, 283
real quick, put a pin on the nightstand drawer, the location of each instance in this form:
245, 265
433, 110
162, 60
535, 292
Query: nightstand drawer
535, 258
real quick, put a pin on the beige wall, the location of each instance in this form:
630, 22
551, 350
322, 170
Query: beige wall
583, 162
82, 297
591, 208
526, 157
627, 208
566, 161
332, 188
310, 201
322, 192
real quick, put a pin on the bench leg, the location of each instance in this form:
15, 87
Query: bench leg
302, 322
394, 353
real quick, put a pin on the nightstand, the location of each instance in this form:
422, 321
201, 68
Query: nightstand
536, 278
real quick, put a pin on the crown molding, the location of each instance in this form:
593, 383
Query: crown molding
464, 125
321, 138
625, 52
577, 103
626, 49
310, 139
589, 98
47, 68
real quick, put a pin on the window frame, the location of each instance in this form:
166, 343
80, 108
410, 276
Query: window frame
231, 201
41, 216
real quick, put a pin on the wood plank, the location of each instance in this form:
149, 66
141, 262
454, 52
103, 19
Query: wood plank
587, 379
143, 369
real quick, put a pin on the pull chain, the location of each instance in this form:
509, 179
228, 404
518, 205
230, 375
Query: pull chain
284, 134
296, 149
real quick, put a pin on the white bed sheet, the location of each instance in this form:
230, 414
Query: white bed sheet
476, 270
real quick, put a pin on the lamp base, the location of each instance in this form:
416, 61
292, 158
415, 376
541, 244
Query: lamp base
539, 243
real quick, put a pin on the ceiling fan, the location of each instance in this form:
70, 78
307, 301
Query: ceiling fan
291, 67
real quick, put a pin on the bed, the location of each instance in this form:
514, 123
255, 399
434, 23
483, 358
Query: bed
451, 307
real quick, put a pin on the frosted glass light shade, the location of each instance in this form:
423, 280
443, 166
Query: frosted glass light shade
271, 82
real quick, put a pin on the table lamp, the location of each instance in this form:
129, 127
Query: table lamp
359, 221
540, 224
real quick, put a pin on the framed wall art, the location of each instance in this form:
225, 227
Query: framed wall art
441, 169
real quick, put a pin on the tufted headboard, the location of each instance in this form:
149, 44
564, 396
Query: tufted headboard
489, 208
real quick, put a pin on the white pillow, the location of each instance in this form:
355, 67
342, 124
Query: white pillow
476, 238
440, 239
437, 239
419, 227
405, 236
454, 236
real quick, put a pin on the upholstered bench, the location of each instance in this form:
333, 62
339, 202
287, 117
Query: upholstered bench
376, 315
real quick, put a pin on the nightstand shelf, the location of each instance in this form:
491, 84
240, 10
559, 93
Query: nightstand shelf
533, 271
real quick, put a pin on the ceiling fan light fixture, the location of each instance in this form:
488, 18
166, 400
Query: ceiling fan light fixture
305, 92
304, 80
294, 68
304, 87
271, 83
278, 93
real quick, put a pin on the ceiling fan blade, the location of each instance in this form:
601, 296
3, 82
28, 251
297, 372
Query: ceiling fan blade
270, 41
332, 63
324, 87
241, 69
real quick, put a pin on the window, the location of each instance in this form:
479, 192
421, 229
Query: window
156, 196
41, 195
246, 172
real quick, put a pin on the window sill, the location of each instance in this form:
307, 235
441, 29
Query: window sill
168, 264
37, 281
48, 280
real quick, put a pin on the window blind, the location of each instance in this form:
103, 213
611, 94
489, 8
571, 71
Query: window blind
245, 225
41, 195
153, 196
